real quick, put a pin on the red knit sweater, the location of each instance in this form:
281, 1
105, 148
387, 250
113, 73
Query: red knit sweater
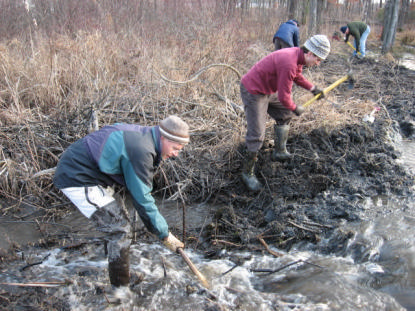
277, 72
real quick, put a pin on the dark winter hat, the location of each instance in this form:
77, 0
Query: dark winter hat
343, 29
175, 129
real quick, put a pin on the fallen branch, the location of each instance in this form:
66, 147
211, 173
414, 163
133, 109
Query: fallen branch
37, 284
35, 263
226, 242
270, 271
274, 253
44, 172
301, 227
197, 74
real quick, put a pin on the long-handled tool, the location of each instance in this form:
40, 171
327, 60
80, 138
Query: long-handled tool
336, 36
192, 267
348, 77
351, 45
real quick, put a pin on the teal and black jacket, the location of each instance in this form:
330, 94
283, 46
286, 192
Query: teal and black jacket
124, 154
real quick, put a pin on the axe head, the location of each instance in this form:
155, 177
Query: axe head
351, 81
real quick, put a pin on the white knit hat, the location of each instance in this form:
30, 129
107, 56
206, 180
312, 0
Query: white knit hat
175, 129
319, 45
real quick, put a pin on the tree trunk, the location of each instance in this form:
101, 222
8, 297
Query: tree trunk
390, 24
292, 8
321, 5
403, 15
312, 17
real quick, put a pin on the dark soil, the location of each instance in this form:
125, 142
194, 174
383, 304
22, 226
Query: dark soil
328, 180
330, 177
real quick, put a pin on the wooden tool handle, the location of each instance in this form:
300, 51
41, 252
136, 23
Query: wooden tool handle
327, 89
192, 267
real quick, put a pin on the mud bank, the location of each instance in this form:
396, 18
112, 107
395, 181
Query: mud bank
336, 175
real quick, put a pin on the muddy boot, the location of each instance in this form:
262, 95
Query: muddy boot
280, 152
119, 269
248, 172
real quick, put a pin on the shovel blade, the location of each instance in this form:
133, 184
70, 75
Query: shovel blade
350, 85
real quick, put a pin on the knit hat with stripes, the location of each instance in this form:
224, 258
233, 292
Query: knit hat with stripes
319, 45
175, 129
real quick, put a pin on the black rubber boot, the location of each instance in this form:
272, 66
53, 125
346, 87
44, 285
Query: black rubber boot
248, 172
280, 152
119, 269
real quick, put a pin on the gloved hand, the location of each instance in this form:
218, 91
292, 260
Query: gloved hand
299, 110
317, 91
172, 243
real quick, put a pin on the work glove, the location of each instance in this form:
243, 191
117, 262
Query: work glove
299, 110
172, 243
317, 91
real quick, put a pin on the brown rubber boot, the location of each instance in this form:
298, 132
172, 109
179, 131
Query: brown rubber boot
248, 172
119, 269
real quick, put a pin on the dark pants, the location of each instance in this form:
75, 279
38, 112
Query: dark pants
256, 108
113, 219
280, 44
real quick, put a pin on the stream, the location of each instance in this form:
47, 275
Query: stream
376, 272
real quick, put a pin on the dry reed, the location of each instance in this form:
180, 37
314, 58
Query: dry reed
51, 84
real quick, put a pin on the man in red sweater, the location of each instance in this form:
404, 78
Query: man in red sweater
266, 88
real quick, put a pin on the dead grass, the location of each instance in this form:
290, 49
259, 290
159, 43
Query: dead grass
407, 37
49, 85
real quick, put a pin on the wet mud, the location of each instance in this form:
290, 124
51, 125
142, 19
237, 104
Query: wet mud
334, 176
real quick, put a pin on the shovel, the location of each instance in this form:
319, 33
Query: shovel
352, 47
350, 85
192, 267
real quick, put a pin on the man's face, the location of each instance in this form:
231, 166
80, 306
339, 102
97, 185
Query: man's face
169, 148
311, 59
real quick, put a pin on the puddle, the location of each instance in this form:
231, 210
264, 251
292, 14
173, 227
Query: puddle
408, 60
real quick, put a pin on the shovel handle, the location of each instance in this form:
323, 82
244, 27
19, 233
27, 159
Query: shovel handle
192, 267
327, 89
352, 47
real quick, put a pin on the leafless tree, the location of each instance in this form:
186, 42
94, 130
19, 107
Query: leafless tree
390, 24
404, 12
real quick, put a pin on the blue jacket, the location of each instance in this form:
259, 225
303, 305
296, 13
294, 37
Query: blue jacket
289, 33
124, 154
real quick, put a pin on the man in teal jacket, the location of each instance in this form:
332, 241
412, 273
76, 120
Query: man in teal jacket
128, 155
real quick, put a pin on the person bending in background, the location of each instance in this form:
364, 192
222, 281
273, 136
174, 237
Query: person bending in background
287, 35
360, 31
276, 73
125, 154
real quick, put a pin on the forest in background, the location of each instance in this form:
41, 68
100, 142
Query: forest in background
70, 65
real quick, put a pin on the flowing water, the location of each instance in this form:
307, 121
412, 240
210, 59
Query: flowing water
408, 60
377, 271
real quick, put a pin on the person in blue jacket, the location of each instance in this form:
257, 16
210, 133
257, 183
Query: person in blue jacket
287, 35
125, 154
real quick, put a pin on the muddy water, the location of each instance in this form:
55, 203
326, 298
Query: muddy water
377, 271
408, 61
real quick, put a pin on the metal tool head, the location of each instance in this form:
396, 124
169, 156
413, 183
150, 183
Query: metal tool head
351, 80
